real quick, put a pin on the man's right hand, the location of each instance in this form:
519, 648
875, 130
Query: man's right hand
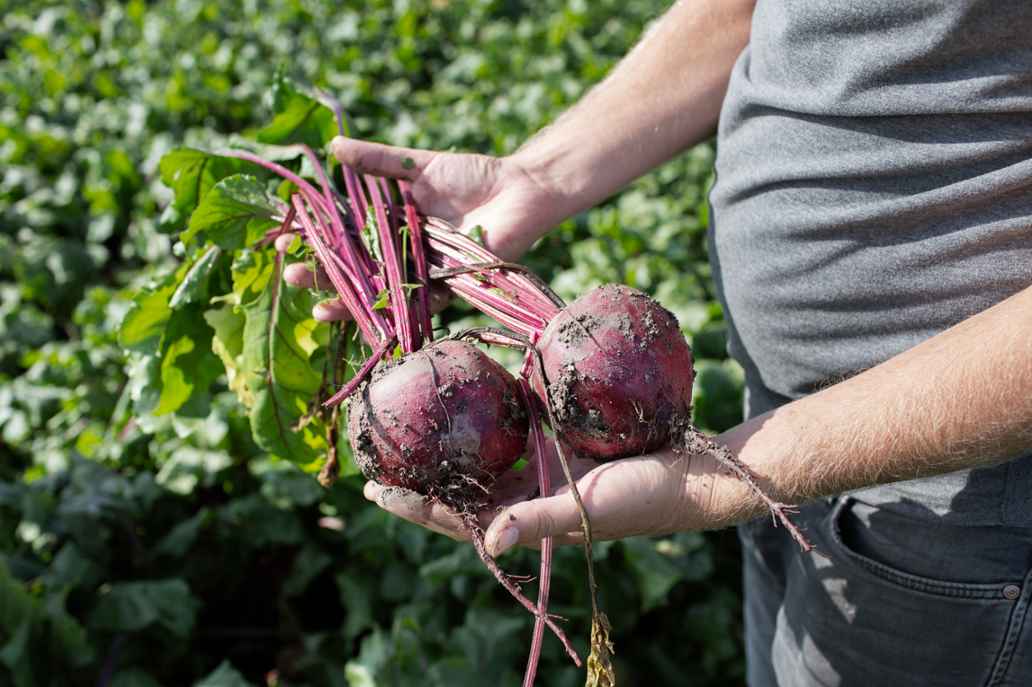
467, 190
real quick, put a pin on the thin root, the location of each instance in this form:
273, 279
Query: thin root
477, 535
696, 442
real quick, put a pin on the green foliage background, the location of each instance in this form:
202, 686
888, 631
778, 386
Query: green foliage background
140, 549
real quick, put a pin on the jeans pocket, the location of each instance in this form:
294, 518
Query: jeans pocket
874, 621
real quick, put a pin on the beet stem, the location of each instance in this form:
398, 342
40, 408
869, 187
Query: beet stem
494, 306
545, 576
482, 267
600, 665
338, 110
363, 372
445, 232
477, 535
696, 442
340, 235
518, 287
419, 258
368, 321
392, 266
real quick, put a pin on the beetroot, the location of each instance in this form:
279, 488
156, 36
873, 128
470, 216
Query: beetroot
444, 421
619, 373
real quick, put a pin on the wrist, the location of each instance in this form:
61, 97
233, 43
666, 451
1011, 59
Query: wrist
533, 205
711, 497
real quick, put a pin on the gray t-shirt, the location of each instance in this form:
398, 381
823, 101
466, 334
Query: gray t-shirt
874, 187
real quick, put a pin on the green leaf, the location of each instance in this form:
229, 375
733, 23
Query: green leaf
235, 213
179, 540
193, 288
191, 173
224, 676
133, 606
17, 655
299, 117
29, 624
188, 364
252, 270
144, 381
354, 595
308, 564
228, 344
16, 606
717, 394
189, 466
144, 323
656, 573
279, 340
383, 299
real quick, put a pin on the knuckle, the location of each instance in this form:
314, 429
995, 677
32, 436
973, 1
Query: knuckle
542, 526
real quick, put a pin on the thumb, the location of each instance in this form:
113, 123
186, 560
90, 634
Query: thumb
529, 522
379, 159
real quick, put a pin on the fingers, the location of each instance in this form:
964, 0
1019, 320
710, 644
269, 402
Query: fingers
285, 241
380, 159
528, 522
331, 311
298, 274
415, 508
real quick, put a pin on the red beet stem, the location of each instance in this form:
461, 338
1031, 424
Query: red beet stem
374, 329
520, 287
419, 258
392, 267
340, 239
363, 372
545, 576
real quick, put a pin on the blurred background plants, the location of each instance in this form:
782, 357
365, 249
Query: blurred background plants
140, 549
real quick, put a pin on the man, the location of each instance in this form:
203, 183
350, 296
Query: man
872, 246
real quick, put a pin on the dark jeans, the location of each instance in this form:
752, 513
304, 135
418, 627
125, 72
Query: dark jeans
887, 600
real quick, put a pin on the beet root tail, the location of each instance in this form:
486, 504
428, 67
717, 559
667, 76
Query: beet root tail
477, 535
696, 442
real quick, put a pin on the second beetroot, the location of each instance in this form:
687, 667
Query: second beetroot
444, 421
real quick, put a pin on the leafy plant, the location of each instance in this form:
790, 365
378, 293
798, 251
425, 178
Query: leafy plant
147, 536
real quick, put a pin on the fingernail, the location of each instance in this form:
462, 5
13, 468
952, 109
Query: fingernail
337, 142
284, 241
371, 490
505, 540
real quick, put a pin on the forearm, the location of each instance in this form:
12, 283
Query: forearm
961, 399
663, 97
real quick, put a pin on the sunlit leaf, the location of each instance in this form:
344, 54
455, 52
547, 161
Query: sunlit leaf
235, 213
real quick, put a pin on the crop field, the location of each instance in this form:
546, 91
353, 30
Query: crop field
147, 536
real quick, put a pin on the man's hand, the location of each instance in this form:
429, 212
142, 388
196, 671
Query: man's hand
495, 193
652, 494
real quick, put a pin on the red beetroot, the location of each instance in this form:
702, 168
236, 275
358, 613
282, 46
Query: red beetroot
619, 374
445, 421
